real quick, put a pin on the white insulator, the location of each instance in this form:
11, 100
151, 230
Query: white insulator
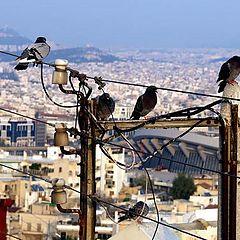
230, 91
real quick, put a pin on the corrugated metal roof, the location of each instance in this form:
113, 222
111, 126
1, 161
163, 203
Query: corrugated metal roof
180, 156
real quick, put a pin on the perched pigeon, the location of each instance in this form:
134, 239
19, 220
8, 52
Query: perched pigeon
33, 53
140, 208
105, 106
229, 72
145, 103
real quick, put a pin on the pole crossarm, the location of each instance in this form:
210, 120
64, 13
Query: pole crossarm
163, 123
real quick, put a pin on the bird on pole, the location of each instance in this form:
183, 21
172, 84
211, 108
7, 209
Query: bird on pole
138, 210
228, 73
145, 103
34, 53
105, 106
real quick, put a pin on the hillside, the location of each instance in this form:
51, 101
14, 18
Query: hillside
11, 41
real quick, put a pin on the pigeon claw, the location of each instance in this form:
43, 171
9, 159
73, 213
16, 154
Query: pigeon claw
232, 82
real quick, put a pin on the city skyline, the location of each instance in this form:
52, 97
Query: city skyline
145, 24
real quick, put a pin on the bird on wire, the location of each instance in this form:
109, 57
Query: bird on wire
34, 53
105, 106
228, 73
145, 103
140, 208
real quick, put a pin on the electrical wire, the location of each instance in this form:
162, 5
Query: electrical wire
48, 96
167, 89
108, 214
19, 114
77, 191
117, 145
27, 173
184, 133
142, 85
10, 54
139, 85
150, 183
10, 235
172, 160
180, 113
95, 198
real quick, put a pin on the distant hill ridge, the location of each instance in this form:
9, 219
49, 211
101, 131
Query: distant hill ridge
9, 36
12, 41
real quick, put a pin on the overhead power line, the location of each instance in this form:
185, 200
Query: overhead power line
25, 116
168, 159
96, 199
142, 85
167, 89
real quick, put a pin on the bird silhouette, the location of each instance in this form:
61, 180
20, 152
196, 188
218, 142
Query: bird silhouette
145, 103
229, 72
105, 106
33, 53
140, 208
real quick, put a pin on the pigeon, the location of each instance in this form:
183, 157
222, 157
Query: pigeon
33, 53
139, 209
145, 103
105, 106
228, 73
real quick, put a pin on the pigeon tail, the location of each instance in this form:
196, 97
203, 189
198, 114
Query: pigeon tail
123, 218
21, 66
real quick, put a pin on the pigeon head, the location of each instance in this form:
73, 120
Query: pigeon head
41, 40
105, 96
151, 89
235, 58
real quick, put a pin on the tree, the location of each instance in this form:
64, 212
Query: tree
183, 187
139, 181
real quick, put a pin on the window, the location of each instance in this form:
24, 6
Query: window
60, 169
28, 226
39, 227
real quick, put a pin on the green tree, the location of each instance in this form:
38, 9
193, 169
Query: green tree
139, 181
183, 187
35, 166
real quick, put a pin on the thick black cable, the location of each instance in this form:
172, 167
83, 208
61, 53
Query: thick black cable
146, 171
12, 236
48, 96
142, 85
184, 133
150, 182
171, 160
167, 89
10, 54
24, 172
180, 113
19, 114
95, 198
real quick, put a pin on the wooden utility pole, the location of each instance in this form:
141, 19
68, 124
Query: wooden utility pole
87, 172
227, 185
229, 202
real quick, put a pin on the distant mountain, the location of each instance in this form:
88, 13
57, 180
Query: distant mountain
9, 36
82, 54
11, 41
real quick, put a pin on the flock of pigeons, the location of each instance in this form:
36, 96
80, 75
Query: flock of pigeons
37, 51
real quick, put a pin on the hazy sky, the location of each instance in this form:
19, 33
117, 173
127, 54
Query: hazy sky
127, 23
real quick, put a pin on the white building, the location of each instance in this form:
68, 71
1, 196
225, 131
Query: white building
109, 176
